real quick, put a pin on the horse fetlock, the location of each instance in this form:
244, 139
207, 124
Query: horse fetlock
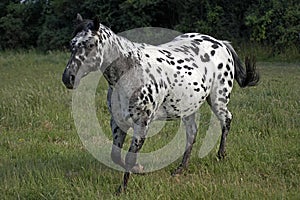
178, 171
137, 169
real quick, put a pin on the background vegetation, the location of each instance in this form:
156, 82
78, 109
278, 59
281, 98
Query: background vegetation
48, 24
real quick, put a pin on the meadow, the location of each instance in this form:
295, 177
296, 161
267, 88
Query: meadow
42, 156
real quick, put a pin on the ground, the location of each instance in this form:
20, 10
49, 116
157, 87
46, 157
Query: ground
42, 156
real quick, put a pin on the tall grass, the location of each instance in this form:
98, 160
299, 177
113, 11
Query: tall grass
31, 90
267, 53
42, 157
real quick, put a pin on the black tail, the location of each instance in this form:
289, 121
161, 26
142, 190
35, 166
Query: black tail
248, 77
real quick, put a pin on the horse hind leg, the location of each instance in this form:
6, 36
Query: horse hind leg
191, 133
225, 131
219, 107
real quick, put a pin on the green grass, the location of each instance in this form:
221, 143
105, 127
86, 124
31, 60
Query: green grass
42, 157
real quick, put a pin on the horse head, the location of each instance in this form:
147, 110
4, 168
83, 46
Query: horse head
86, 51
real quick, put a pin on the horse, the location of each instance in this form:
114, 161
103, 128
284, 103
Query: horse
163, 82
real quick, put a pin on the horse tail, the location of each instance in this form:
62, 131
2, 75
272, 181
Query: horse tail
244, 77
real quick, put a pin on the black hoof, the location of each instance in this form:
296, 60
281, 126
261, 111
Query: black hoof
120, 191
177, 172
221, 155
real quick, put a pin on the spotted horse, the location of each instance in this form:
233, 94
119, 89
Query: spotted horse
168, 81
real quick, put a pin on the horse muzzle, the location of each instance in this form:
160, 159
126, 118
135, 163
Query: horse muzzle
68, 78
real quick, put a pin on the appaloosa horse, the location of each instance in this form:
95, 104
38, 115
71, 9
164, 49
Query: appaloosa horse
168, 81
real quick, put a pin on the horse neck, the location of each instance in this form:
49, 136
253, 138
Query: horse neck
120, 56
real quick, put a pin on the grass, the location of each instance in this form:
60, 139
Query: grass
42, 157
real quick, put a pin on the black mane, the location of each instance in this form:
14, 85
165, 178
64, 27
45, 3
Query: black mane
83, 26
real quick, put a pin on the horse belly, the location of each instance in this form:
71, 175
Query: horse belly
182, 100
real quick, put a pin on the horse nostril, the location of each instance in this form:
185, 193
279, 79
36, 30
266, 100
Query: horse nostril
72, 78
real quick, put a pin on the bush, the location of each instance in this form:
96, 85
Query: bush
48, 24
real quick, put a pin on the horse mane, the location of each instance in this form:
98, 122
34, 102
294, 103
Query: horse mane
84, 25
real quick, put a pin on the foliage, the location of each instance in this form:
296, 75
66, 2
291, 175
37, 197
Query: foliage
276, 23
48, 24
20, 24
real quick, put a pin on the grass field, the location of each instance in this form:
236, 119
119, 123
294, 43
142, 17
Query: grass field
42, 157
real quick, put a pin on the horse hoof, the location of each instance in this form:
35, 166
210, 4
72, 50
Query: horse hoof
177, 172
221, 155
120, 190
137, 169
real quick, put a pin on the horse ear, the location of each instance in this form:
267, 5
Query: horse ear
96, 23
79, 18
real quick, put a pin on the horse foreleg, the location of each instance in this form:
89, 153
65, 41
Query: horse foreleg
119, 136
138, 139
